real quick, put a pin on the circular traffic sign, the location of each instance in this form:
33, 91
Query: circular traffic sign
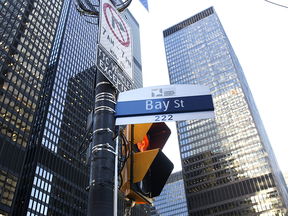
116, 24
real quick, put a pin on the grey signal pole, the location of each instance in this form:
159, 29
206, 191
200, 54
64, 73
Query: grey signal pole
100, 199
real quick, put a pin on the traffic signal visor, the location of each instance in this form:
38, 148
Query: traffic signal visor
152, 166
147, 169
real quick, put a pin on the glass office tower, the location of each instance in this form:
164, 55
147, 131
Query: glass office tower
172, 200
54, 177
137, 61
48, 53
229, 167
27, 32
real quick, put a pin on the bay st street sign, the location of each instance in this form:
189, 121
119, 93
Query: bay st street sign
115, 37
164, 103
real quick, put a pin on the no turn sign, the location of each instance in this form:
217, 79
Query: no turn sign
115, 37
116, 25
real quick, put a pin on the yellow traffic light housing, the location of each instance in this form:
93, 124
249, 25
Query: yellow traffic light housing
147, 168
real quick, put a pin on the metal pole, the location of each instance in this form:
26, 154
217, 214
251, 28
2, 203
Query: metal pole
116, 178
100, 199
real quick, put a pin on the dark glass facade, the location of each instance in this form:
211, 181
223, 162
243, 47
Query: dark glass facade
27, 32
48, 53
172, 200
229, 167
55, 176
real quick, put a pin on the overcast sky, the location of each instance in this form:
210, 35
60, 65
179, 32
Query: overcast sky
258, 33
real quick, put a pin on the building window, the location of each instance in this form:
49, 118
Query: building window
8, 185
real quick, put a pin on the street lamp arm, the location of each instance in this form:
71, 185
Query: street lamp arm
89, 9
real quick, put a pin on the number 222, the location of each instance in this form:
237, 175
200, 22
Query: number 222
164, 118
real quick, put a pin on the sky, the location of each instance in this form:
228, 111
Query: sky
258, 33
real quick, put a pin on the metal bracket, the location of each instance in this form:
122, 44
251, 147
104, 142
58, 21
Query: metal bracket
105, 96
104, 99
103, 147
102, 83
103, 108
102, 129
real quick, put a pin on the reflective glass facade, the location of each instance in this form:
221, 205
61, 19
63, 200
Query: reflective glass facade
27, 32
286, 178
48, 53
229, 167
172, 200
60, 124
137, 61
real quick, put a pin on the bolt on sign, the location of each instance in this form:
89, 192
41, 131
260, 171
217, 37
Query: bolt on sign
115, 37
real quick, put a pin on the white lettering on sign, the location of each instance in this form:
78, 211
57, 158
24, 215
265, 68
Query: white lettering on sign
112, 72
163, 105
179, 103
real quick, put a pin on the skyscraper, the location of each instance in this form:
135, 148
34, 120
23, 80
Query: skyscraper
285, 175
48, 53
172, 200
27, 32
229, 167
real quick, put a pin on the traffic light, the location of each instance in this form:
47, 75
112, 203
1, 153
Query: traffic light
147, 168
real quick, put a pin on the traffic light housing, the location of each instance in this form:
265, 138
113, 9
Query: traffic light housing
147, 168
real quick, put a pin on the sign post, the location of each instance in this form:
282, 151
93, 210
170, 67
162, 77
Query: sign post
114, 70
100, 198
152, 104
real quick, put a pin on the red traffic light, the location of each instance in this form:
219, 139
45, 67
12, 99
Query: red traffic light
144, 144
158, 135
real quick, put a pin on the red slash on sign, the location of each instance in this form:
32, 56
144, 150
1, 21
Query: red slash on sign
120, 32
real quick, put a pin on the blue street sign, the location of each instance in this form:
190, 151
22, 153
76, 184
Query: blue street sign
164, 103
